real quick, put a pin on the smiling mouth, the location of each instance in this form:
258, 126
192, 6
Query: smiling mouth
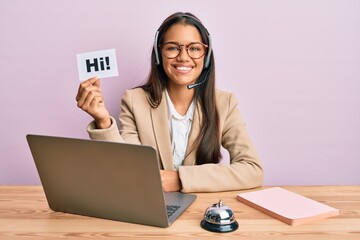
183, 69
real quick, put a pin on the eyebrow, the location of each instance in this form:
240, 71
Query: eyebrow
181, 44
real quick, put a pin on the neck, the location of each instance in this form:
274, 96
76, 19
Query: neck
181, 98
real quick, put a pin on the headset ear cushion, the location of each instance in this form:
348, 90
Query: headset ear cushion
207, 61
156, 51
208, 55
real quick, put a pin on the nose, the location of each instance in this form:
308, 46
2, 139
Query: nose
183, 54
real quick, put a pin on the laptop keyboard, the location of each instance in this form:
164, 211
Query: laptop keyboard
171, 209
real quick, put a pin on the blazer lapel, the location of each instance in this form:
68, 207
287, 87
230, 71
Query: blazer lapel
190, 156
160, 122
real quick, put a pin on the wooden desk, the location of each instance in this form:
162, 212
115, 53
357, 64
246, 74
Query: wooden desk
24, 214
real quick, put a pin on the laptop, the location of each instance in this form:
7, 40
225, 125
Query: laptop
109, 180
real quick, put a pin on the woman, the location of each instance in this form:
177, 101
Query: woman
180, 113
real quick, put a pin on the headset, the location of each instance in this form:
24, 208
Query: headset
198, 24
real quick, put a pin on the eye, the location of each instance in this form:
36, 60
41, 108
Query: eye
195, 48
171, 47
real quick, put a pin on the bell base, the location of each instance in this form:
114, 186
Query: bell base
218, 227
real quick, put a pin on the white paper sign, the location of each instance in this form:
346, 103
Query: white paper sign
100, 64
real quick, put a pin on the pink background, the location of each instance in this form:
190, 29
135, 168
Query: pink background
294, 66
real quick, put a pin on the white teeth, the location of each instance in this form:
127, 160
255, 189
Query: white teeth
183, 68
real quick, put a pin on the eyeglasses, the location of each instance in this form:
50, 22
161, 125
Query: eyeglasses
172, 49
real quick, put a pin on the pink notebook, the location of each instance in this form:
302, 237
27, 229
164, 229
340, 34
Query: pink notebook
287, 206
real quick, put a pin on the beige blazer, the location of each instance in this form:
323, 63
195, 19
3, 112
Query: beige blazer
142, 124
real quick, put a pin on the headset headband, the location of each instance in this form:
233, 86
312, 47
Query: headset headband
208, 55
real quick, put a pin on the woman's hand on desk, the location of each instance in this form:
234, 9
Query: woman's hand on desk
170, 180
90, 99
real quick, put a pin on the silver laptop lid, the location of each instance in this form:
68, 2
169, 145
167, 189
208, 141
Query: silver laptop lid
101, 179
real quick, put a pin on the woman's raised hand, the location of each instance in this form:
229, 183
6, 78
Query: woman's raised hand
90, 99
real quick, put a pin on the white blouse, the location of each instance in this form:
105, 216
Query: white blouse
180, 127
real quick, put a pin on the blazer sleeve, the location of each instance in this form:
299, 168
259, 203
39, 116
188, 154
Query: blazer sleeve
128, 131
245, 169
109, 134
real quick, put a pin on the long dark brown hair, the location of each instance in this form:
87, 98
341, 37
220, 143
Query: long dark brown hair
208, 142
